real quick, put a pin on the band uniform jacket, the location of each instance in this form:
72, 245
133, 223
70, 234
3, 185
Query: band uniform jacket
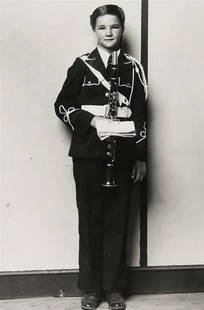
83, 88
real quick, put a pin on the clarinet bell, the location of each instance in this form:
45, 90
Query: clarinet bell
109, 179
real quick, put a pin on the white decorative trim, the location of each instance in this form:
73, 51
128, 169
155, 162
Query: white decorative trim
143, 133
121, 98
66, 113
89, 83
127, 62
133, 82
125, 85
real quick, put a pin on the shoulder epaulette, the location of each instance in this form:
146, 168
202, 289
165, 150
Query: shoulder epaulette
86, 54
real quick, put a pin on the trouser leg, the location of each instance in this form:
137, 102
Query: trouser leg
103, 216
91, 214
116, 220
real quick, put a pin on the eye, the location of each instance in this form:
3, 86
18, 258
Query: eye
100, 27
115, 27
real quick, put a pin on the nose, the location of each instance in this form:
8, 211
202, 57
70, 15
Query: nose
109, 32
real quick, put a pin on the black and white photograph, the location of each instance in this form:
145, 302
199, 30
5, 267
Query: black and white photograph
101, 155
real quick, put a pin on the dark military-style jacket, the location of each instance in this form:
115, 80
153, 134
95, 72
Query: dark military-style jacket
83, 88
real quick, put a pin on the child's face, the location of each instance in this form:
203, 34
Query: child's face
108, 32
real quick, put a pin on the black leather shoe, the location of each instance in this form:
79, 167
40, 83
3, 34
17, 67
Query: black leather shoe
116, 301
90, 301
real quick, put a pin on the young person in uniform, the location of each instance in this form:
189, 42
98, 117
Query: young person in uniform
103, 212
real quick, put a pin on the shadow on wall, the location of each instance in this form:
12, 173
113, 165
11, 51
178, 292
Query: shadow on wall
150, 119
137, 200
126, 46
134, 226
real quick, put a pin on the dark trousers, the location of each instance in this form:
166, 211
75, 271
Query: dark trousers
103, 218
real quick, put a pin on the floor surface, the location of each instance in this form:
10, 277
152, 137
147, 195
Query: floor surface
138, 302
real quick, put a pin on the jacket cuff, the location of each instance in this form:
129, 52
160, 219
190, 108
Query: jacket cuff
141, 150
81, 120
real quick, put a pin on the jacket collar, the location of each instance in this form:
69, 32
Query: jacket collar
94, 59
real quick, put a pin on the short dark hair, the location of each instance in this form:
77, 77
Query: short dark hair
109, 9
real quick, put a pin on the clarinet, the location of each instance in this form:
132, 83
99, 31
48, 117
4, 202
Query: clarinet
111, 113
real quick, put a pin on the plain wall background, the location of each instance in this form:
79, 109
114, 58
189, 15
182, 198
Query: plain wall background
38, 215
40, 40
176, 165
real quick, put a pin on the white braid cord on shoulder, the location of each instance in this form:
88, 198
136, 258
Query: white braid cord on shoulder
66, 113
143, 81
142, 78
